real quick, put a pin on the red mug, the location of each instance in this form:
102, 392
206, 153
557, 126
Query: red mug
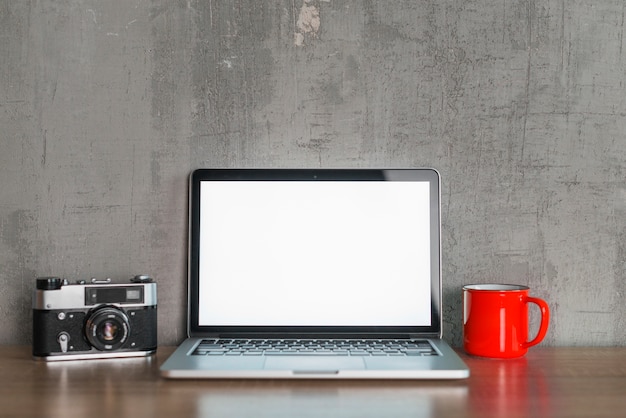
495, 320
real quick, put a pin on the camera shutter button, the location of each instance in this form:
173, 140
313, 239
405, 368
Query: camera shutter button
63, 339
141, 278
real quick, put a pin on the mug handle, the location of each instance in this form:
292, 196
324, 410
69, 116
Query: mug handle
545, 320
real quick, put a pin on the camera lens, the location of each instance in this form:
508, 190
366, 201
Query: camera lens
109, 331
107, 328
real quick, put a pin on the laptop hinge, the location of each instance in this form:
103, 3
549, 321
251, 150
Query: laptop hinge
318, 335
208, 336
424, 335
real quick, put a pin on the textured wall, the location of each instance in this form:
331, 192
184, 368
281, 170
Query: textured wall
107, 105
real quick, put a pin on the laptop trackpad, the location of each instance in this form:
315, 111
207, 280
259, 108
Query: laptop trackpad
302, 364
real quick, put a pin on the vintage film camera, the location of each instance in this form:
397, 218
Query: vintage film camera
96, 319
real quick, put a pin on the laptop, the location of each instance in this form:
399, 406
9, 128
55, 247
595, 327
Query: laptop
314, 273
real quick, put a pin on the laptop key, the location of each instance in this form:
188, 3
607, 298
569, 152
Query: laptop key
300, 353
413, 352
253, 353
209, 346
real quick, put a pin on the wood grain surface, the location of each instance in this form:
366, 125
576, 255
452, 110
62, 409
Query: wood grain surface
548, 382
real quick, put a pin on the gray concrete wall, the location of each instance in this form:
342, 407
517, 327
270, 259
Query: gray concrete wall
107, 105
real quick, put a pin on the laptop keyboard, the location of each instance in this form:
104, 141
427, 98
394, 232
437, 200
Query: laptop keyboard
314, 347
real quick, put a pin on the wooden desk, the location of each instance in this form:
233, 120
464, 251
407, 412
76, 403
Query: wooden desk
550, 382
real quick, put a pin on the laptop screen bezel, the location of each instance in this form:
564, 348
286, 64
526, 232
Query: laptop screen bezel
417, 174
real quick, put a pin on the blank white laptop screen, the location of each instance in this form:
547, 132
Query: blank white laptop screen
302, 253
